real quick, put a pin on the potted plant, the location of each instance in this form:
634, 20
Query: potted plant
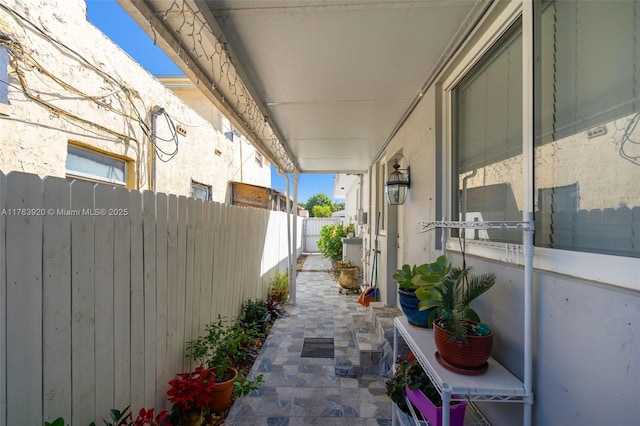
125, 418
223, 348
410, 380
423, 277
349, 277
351, 230
464, 343
254, 314
279, 287
191, 395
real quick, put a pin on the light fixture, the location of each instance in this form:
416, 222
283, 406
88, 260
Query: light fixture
398, 183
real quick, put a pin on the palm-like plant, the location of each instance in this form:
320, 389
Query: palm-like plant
450, 301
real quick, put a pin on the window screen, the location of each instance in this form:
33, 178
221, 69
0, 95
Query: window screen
487, 138
4, 75
92, 165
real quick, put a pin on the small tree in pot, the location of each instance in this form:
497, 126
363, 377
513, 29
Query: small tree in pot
464, 343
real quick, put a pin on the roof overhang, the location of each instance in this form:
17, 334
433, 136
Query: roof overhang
316, 85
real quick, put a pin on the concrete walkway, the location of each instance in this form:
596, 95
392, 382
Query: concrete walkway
306, 391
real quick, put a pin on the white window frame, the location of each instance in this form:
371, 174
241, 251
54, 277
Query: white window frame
614, 270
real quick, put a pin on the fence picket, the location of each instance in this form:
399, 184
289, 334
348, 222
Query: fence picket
56, 307
136, 376
206, 261
150, 276
197, 271
162, 375
217, 280
181, 300
24, 297
104, 330
174, 321
82, 304
190, 332
122, 298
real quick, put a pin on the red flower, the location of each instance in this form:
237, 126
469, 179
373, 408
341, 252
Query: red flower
193, 390
411, 357
145, 417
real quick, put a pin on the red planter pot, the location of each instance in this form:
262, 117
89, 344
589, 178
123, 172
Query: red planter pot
465, 358
434, 414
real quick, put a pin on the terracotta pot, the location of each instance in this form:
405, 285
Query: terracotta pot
465, 358
349, 278
222, 393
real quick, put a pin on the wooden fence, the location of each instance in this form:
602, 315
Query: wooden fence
101, 287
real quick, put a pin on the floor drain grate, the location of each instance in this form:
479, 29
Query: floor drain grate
317, 347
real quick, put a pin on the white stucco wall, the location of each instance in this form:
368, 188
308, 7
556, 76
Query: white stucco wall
100, 97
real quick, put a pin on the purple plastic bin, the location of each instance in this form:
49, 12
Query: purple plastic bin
434, 414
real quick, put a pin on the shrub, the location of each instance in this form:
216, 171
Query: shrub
330, 243
279, 287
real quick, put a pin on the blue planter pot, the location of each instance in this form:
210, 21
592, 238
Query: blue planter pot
409, 304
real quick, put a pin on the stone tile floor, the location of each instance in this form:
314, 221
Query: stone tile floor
307, 391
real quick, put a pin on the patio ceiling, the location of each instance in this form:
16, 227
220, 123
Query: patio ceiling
318, 85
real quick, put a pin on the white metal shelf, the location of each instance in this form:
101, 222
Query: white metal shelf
503, 225
497, 384
472, 416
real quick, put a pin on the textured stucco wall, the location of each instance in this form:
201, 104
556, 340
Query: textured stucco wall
97, 96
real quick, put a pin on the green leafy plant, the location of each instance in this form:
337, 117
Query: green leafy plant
330, 242
57, 422
351, 228
412, 278
224, 346
253, 311
410, 374
125, 418
244, 386
345, 264
279, 287
450, 301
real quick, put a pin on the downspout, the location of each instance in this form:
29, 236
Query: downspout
156, 110
289, 260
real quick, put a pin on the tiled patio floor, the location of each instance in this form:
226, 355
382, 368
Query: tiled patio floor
306, 391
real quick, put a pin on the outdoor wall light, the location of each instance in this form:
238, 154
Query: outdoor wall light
398, 184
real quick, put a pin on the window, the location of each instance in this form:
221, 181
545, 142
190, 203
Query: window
487, 139
4, 76
200, 191
83, 163
587, 140
259, 158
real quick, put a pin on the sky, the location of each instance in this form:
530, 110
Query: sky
113, 21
